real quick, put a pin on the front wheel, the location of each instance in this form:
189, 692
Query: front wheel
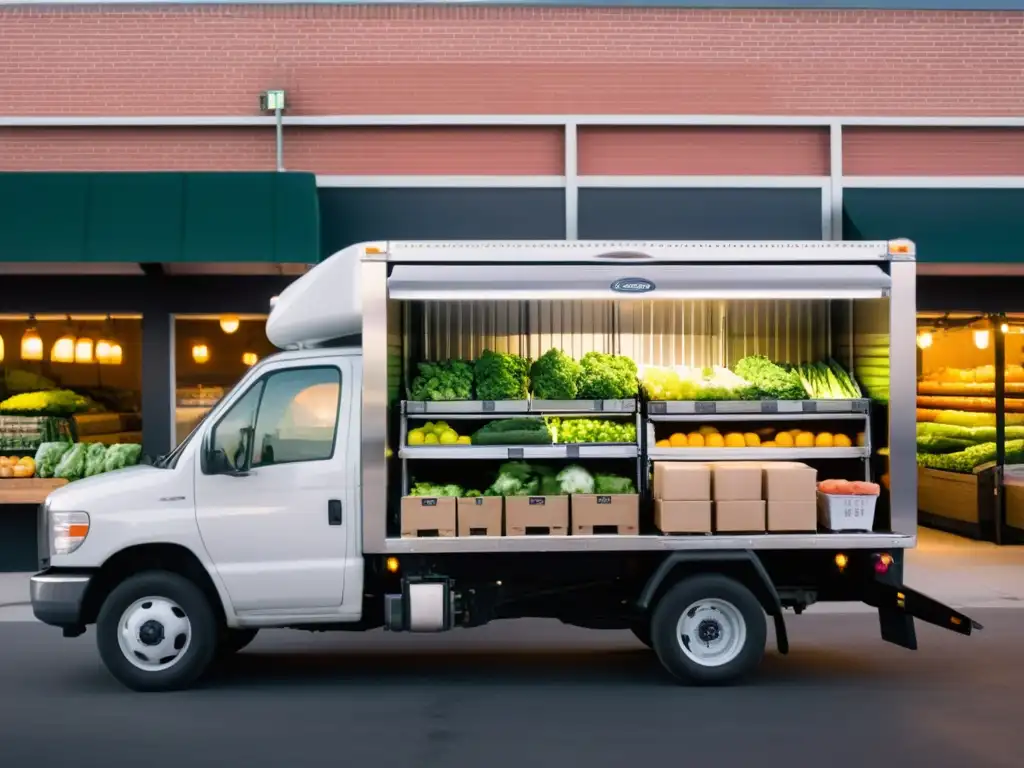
157, 631
709, 630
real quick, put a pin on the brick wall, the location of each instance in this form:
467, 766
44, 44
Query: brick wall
214, 60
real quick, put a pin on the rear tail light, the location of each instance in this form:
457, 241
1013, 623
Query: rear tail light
882, 563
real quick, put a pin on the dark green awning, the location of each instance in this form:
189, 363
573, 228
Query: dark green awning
159, 217
947, 225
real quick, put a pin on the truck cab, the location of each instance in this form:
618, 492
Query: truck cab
278, 510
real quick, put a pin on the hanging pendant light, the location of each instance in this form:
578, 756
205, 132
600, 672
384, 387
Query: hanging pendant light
83, 350
31, 342
108, 351
229, 323
200, 352
250, 358
63, 350
981, 339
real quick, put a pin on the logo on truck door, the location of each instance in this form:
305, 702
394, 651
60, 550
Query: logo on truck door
632, 285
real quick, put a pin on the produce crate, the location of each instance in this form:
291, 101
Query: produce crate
846, 513
950, 495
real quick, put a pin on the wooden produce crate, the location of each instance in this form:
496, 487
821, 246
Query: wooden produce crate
951, 495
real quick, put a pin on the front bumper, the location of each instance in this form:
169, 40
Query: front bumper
58, 598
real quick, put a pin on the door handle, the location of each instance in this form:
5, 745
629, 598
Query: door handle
334, 512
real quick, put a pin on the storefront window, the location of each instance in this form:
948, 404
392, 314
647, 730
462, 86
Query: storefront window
67, 380
211, 353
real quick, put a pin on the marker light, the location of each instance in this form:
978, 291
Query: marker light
68, 531
841, 561
391, 564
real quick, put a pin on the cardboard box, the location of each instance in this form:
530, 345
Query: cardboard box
739, 516
737, 481
793, 516
424, 516
790, 481
601, 514
682, 481
536, 515
480, 516
682, 516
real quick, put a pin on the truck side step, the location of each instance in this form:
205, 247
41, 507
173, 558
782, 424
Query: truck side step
425, 605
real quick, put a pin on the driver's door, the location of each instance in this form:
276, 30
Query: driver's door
272, 491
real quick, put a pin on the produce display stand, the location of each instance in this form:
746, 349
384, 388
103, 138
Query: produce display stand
483, 411
28, 490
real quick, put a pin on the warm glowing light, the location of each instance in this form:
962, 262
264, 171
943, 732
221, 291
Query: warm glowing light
924, 340
63, 350
31, 345
981, 339
250, 358
200, 353
1004, 328
841, 561
108, 352
1, 349
392, 564
83, 350
229, 323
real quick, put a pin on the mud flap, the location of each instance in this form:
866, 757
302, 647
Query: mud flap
898, 606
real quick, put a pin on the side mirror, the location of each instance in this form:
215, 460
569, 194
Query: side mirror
217, 462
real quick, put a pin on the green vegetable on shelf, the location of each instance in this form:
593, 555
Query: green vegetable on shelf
501, 376
555, 376
771, 381
827, 380
579, 430
440, 491
94, 458
445, 380
47, 457
970, 458
121, 455
607, 377
613, 484
513, 432
59, 402
575, 479
72, 464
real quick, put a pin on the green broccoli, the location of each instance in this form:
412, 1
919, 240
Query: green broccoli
501, 376
445, 380
555, 376
607, 377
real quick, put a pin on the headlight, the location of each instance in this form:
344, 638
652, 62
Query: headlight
68, 531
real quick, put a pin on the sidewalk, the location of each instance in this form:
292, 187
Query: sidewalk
959, 572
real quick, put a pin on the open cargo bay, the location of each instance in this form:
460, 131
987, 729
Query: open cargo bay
692, 306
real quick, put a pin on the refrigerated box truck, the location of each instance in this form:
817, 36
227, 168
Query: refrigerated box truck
330, 489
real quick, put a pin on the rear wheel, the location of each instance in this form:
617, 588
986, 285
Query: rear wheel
709, 630
157, 631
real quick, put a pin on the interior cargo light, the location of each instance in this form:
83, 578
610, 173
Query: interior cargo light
981, 339
842, 561
200, 353
31, 343
83, 350
229, 323
924, 340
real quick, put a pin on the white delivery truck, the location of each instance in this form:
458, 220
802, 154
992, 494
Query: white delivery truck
363, 478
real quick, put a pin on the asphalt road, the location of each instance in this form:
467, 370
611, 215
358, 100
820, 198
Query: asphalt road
527, 694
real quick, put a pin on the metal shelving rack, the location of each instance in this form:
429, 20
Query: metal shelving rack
724, 412
487, 410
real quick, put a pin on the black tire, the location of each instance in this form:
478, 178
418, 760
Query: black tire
196, 658
234, 640
678, 600
641, 629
